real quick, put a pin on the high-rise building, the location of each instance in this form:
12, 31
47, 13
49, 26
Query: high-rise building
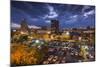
24, 26
55, 26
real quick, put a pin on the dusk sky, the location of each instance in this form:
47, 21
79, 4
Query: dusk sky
41, 14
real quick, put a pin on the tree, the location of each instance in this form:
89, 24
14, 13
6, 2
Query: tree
24, 55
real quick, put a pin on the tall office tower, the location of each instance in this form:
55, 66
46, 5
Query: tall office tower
55, 26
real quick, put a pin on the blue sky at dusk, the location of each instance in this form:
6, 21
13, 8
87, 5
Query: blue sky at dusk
40, 14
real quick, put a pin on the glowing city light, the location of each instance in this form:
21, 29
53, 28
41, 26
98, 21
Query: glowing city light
22, 32
37, 41
67, 33
48, 32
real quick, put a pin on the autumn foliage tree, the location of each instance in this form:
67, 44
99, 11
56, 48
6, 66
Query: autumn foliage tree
25, 55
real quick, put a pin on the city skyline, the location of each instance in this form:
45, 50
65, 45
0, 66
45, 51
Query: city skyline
41, 14
51, 33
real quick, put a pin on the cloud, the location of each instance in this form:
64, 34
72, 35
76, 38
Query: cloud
85, 8
86, 14
72, 19
15, 25
33, 26
48, 21
33, 19
52, 13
